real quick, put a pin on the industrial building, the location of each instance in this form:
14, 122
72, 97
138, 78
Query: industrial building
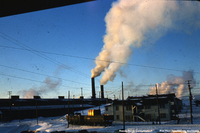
145, 108
16, 108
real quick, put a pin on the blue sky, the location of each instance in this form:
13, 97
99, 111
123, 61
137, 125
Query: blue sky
76, 33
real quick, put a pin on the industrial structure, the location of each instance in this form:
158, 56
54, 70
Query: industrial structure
145, 108
17, 108
13, 107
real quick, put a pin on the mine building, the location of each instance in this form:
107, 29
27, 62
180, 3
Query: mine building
145, 108
22, 108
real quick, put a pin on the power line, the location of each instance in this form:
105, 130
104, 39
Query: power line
40, 74
48, 52
72, 56
119, 89
34, 80
40, 55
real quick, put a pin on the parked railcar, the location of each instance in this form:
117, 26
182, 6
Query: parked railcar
94, 117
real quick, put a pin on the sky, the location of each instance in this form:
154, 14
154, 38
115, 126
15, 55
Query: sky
53, 51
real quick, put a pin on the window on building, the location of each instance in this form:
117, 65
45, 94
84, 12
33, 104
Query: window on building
148, 116
106, 108
117, 107
128, 118
152, 116
147, 107
117, 117
128, 107
162, 115
162, 105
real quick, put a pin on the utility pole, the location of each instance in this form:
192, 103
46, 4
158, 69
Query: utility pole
128, 94
82, 97
68, 109
123, 106
190, 98
36, 111
99, 100
73, 103
157, 104
81, 91
19, 110
9, 93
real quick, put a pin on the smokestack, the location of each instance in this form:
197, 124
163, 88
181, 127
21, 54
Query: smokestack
15, 97
61, 97
102, 92
93, 88
129, 24
36, 97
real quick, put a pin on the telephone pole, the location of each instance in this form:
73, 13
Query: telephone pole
68, 109
36, 110
123, 106
157, 104
9, 93
190, 98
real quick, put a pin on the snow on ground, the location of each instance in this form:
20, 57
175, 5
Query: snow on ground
50, 124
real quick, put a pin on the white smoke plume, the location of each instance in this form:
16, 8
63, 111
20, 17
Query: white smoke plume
175, 84
130, 22
50, 85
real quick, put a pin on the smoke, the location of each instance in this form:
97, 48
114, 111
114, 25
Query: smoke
175, 84
130, 87
50, 85
130, 22
122, 74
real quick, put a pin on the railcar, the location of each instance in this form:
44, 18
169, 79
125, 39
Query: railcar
94, 117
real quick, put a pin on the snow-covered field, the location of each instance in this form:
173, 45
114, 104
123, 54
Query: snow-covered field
47, 125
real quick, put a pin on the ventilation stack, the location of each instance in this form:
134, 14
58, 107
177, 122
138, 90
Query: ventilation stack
93, 88
102, 91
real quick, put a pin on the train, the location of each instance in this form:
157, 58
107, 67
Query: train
94, 117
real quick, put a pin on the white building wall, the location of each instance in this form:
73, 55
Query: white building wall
154, 112
110, 110
118, 114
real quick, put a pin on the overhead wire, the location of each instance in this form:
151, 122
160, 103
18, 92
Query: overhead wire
109, 92
40, 74
41, 55
119, 87
24, 47
33, 80
72, 56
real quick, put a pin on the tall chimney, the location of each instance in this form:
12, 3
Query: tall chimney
93, 88
102, 92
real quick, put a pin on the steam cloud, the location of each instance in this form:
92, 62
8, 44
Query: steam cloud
50, 85
130, 22
175, 84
